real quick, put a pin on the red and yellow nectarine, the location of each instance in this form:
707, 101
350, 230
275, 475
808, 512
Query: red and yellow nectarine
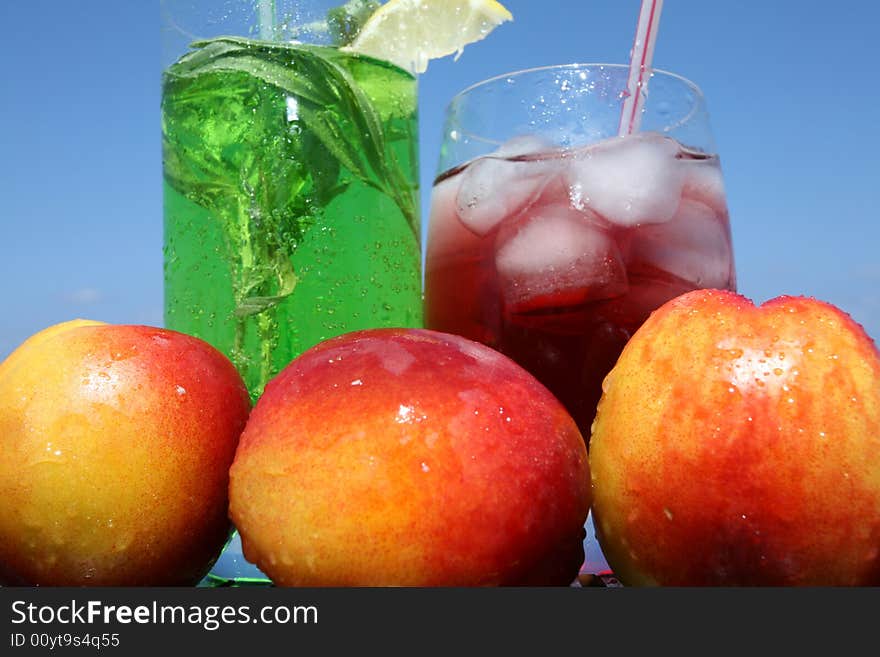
740, 445
115, 445
410, 457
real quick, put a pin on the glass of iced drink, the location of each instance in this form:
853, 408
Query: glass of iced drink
552, 239
290, 184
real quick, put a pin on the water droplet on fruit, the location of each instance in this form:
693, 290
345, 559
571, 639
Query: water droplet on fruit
667, 513
425, 467
357, 382
123, 355
181, 390
404, 414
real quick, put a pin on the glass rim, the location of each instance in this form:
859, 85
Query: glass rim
575, 65
699, 97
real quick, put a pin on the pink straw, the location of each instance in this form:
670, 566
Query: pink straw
640, 66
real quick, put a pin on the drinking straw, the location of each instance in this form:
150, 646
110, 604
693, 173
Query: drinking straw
266, 18
640, 67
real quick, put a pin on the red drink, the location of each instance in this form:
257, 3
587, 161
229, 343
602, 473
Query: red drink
555, 257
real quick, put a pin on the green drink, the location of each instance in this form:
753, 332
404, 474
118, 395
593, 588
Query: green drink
291, 210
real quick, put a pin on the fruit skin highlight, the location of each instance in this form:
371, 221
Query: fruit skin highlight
410, 457
736, 445
116, 443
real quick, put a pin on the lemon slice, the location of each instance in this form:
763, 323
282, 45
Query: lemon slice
410, 33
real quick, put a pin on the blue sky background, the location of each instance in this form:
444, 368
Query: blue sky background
790, 87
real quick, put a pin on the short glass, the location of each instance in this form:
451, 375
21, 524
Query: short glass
290, 184
552, 239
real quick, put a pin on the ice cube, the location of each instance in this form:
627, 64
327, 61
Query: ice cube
446, 235
556, 260
628, 180
703, 182
496, 186
693, 246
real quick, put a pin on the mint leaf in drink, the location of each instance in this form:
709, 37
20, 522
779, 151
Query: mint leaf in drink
329, 102
253, 305
328, 185
346, 21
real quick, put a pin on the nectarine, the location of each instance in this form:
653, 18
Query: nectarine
115, 445
410, 457
740, 445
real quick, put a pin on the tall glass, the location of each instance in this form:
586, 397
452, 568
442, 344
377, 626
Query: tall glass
552, 239
290, 184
